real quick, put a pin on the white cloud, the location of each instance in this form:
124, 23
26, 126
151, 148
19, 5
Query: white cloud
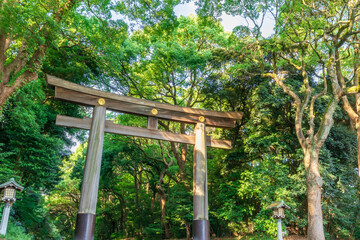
185, 9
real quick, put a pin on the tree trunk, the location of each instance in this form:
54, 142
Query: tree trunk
314, 184
152, 206
182, 165
188, 230
6, 90
5, 93
358, 144
137, 203
163, 214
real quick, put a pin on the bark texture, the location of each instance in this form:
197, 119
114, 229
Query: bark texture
26, 64
314, 184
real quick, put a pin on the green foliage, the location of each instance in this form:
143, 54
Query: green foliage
31, 151
34, 149
264, 166
16, 232
144, 191
150, 12
341, 195
63, 200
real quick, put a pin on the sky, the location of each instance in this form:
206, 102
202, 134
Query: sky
229, 22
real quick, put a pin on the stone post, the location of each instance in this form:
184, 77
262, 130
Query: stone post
279, 230
5, 218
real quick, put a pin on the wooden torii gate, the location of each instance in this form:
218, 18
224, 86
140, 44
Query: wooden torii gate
101, 101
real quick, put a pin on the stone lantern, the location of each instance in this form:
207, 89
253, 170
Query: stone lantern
8, 196
278, 213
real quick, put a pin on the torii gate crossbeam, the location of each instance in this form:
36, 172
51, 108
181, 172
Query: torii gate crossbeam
101, 101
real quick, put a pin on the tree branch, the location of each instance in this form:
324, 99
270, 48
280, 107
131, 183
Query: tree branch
312, 104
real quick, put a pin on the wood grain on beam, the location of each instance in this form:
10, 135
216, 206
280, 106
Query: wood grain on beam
57, 82
111, 127
152, 123
137, 109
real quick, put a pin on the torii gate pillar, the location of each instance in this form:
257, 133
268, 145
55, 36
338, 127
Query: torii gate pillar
85, 221
201, 228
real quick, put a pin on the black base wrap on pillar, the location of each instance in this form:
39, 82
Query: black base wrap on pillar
85, 225
201, 230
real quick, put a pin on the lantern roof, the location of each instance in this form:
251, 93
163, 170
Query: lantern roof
13, 184
279, 204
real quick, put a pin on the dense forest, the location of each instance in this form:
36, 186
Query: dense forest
298, 140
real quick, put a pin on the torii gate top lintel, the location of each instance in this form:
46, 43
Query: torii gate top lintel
68, 91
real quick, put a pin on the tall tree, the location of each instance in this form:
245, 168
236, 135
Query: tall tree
311, 39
